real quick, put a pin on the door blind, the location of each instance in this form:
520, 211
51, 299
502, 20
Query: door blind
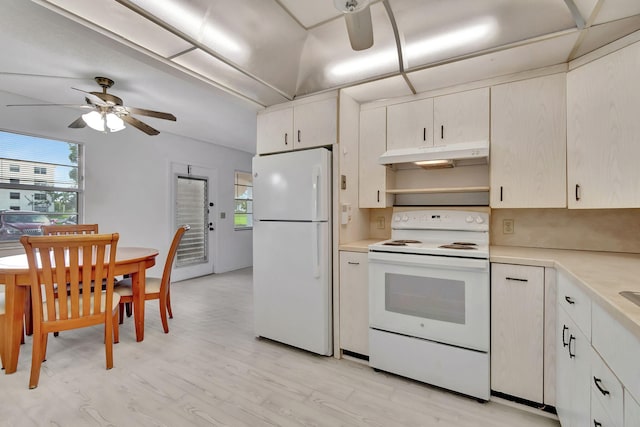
191, 208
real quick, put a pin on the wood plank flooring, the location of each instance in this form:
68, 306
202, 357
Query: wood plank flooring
211, 371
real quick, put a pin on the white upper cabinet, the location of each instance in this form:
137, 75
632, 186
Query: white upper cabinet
373, 177
528, 143
275, 131
603, 132
461, 117
312, 123
410, 124
315, 123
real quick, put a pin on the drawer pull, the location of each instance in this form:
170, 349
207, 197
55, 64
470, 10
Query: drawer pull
572, 338
353, 263
597, 382
564, 329
515, 279
569, 300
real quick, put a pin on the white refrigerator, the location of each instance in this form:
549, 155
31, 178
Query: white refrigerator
292, 249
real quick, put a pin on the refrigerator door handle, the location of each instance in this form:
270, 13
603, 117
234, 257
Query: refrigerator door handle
315, 241
316, 191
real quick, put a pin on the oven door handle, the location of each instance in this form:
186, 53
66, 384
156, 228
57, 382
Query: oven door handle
451, 263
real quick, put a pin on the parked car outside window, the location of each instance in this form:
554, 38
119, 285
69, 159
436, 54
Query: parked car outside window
14, 224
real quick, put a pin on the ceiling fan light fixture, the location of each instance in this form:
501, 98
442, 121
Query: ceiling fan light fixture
114, 123
94, 120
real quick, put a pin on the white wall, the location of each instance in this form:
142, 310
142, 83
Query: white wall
127, 180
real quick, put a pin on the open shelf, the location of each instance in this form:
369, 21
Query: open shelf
438, 190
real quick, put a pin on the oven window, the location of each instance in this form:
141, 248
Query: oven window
425, 297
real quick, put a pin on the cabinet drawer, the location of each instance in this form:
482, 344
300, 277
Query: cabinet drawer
618, 347
575, 302
599, 416
606, 388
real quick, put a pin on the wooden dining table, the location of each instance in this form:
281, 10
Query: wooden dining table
14, 274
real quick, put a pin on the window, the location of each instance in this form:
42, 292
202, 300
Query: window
243, 214
26, 165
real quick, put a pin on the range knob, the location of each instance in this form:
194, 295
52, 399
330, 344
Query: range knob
479, 220
396, 218
469, 219
405, 218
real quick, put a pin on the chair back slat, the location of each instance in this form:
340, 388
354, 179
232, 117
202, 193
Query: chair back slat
49, 230
85, 258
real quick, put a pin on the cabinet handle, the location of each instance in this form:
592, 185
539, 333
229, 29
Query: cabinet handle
298, 135
597, 423
572, 338
286, 138
577, 192
378, 196
501, 193
515, 279
441, 131
353, 263
424, 134
569, 300
564, 329
598, 383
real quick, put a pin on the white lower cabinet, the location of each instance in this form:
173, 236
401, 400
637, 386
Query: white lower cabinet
517, 330
573, 369
631, 411
354, 302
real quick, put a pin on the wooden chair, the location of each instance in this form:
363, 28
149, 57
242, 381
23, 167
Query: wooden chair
63, 229
55, 229
59, 311
3, 331
155, 288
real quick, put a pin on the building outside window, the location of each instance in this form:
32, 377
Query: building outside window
243, 215
37, 175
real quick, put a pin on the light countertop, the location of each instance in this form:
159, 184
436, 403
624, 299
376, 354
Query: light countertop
359, 246
602, 274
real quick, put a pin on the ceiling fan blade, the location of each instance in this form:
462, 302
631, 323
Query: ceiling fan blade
91, 96
151, 113
78, 123
51, 105
140, 125
360, 29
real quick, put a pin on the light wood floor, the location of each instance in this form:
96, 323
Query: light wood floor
211, 370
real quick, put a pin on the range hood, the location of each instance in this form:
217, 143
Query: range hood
464, 153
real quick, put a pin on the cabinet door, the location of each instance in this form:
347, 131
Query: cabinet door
275, 131
602, 132
372, 179
517, 330
461, 117
410, 124
573, 373
315, 123
528, 144
631, 411
354, 302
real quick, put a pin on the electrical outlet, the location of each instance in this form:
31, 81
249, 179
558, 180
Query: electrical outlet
380, 222
508, 226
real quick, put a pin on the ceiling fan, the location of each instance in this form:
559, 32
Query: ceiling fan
357, 16
108, 113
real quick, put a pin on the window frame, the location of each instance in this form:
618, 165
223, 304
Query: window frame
235, 199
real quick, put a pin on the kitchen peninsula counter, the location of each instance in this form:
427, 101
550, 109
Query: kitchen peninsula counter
359, 245
602, 275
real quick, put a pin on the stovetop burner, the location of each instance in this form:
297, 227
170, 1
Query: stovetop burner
402, 242
463, 246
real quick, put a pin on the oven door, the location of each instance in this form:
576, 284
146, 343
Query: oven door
444, 299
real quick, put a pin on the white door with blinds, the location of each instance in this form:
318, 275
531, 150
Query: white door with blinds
194, 203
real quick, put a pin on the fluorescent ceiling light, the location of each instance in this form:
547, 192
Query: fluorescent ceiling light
451, 40
364, 62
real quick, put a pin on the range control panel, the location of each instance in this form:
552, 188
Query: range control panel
440, 220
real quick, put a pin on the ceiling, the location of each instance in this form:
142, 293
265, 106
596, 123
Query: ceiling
215, 63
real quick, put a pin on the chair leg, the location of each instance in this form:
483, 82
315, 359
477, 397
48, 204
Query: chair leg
121, 312
37, 356
109, 337
163, 315
116, 328
169, 304
128, 306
